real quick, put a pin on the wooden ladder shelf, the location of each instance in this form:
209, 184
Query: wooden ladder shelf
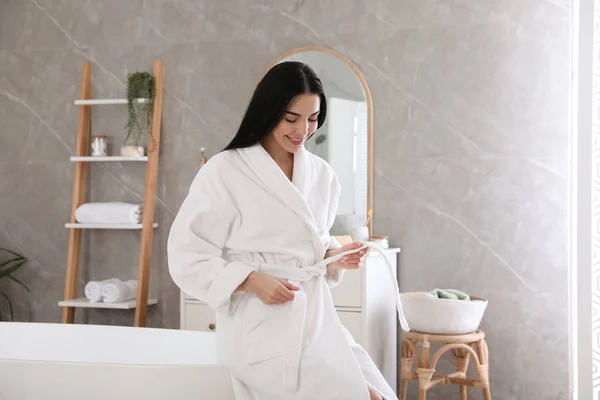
71, 302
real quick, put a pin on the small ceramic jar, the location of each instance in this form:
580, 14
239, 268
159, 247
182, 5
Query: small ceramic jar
99, 146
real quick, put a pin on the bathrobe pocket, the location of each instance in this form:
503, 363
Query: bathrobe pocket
265, 329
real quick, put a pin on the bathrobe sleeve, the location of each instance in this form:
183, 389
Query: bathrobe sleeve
334, 275
196, 241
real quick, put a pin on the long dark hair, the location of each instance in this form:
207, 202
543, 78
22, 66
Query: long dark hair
271, 100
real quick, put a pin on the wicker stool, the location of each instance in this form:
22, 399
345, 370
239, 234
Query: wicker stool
462, 351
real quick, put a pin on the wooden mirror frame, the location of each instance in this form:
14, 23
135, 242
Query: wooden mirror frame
369, 101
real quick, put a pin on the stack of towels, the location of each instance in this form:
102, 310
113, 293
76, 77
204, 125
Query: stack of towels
111, 290
109, 213
451, 294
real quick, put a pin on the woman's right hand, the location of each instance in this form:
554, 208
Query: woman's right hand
269, 289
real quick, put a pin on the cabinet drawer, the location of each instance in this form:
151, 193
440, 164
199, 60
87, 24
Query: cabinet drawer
352, 320
349, 292
199, 317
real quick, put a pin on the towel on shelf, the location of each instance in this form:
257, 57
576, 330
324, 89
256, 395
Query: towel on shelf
93, 289
452, 294
109, 213
119, 291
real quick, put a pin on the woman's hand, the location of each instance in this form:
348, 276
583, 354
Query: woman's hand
268, 289
351, 261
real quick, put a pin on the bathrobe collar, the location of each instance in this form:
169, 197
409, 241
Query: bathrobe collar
294, 193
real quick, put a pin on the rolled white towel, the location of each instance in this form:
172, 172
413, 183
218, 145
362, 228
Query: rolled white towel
93, 289
109, 213
119, 291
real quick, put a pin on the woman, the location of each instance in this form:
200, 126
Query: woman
250, 240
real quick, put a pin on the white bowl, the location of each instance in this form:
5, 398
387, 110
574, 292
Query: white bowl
431, 315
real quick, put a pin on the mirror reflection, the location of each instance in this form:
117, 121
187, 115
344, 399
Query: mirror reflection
343, 139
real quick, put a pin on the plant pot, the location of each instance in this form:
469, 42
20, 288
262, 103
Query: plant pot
436, 316
133, 151
140, 85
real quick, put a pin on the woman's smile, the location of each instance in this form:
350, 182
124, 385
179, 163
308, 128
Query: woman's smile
296, 141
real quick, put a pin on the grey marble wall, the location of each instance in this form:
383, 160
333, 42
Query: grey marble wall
471, 136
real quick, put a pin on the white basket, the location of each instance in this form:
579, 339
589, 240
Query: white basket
432, 315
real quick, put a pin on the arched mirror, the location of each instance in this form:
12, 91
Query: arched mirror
345, 140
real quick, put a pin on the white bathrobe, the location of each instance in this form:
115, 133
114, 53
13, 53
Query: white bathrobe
243, 214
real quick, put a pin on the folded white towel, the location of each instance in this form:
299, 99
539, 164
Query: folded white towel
93, 289
119, 291
109, 213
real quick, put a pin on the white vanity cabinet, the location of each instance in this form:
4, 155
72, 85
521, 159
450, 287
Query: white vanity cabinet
365, 304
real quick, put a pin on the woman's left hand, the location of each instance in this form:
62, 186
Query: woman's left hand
350, 261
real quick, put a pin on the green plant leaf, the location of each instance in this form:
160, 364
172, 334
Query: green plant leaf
19, 282
12, 260
10, 306
8, 271
11, 252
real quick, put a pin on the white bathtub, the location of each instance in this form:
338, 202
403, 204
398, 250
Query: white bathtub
56, 361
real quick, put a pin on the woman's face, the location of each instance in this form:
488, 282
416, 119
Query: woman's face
298, 123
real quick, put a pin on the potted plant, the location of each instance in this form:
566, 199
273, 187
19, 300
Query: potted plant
141, 91
7, 269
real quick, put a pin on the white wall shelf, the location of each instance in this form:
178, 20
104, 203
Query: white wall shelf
93, 102
106, 226
81, 161
85, 303
108, 158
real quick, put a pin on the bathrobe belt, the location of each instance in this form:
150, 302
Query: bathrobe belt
295, 332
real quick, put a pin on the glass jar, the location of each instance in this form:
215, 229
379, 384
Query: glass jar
99, 146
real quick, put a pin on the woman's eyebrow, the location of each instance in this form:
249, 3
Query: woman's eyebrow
298, 115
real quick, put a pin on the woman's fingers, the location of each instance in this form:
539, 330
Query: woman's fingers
350, 265
352, 262
353, 258
279, 299
285, 293
351, 246
288, 285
